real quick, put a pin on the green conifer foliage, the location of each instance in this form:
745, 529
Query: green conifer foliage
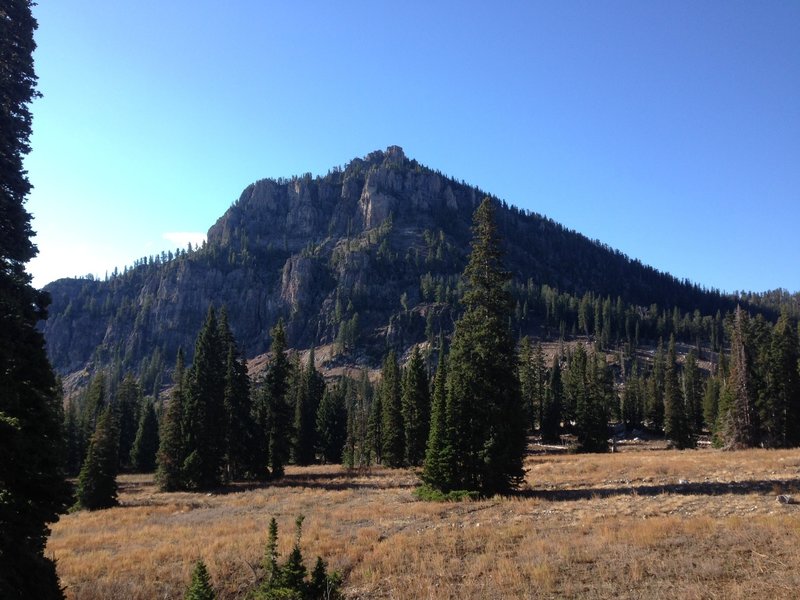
203, 409
97, 481
393, 434
200, 587
781, 412
126, 402
484, 406
591, 425
308, 395
172, 445
737, 410
551, 411
676, 421
145, 444
237, 438
439, 461
693, 392
332, 424
416, 408
279, 415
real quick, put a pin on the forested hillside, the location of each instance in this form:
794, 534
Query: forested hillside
366, 257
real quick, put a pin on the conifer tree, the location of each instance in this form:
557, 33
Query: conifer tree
127, 401
676, 422
439, 453
172, 446
332, 423
654, 414
591, 426
200, 587
33, 490
237, 438
693, 392
711, 392
97, 481
780, 414
203, 409
72, 439
145, 444
307, 400
633, 399
416, 404
375, 428
737, 411
484, 405
279, 416
393, 434
551, 411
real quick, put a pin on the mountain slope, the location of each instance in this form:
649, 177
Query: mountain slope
368, 255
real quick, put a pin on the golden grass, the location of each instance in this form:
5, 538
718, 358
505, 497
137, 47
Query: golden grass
695, 524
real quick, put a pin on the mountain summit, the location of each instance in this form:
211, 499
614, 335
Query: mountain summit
366, 257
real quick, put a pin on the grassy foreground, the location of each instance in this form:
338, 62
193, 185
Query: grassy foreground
656, 524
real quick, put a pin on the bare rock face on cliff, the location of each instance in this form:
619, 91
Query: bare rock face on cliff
364, 257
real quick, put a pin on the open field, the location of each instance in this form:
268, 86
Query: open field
654, 523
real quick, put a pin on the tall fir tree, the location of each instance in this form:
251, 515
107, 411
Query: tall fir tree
239, 431
654, 411
591, 425
279, 415
676, 421
393, 434
97, 481
780, 412
145, 444
692, 386
308, 395
200, 587
203, 409
416, 404
551, 411
172, 445
33, 490
439, 463
332, 423
737, 408
127, 406
484, 405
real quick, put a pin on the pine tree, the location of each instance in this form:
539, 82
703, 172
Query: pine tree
307, 400
676, 422
203, 409
737, 413
374, 439
172, 446
97, 481
484, 405
693, 392
591, 426
439, 464
237, 438
551, 411
633, 399
416, 408
145, 444
654, 412
200, 587
781, 414
127, 401
393, 434
332, 423
278, 418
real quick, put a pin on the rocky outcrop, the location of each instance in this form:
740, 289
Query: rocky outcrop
378, 245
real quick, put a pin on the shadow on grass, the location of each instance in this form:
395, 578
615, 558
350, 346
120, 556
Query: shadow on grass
704, 488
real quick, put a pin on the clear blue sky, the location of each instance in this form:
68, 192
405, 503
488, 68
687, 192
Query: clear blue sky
667, 129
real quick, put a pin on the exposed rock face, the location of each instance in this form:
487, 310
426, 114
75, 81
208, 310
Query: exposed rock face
368, 240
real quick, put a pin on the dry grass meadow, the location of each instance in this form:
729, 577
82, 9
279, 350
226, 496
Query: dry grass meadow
647, 523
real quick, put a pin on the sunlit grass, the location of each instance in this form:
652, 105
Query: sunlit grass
696, 524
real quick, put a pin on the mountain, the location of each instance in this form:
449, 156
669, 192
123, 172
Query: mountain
366, 257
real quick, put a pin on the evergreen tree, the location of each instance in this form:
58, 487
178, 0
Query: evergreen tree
97, 481
375, 428
172, 446
279, 418
654, 413
416, 404
33, 490
439, 453
203, 409
676, 422
693, 392
591, 425
73, 439
780, 414
145, 444
307, 400
238, 437
127, 401
393, 434
551, 412
711, 393
200, 587
332, 423
484, 405
737, 413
